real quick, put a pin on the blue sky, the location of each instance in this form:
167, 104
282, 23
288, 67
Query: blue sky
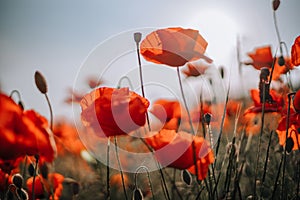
56, 37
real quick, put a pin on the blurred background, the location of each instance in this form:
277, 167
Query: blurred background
58, 37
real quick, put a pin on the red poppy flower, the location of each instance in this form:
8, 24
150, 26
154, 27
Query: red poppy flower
8, 166
94, 82
113, 111
275, 106
73, 97
175, 150
262, 57
292, 130
195, 69
23, 133
53, 182
168, 112
67, 138
294, 124
173, 46
295, 52
279, 70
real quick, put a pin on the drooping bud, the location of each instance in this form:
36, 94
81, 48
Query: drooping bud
276, 4
207, 118
186, 177
281, 61
137, 37
40, 82
289, 144
137, 194
221, 70
31, 169
17, 180
44, 170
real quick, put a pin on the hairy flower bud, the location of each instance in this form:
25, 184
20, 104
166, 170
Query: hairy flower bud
40, 82
276, 4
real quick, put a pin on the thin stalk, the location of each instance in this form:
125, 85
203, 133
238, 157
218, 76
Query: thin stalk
277, 177
202, 115
141, 76
266, 163
260, 136
222, 125
286, 136
17, 92
174, 186
34, 176
229, 167
51, 112
184, 101
190, 121
120, 167
128, 80
24, 166
148, 176
199, 193
277, 30
160, 169
107, 170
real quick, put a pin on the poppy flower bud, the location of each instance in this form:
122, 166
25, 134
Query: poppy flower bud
276, 4
221, 70
186, 177
137, 194
207, 118
298, 130
137, 37
44, 171
281, 61
17, 180
40, 82
31, 169
20, 103
289, 144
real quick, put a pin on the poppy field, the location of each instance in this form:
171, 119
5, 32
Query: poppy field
197, 143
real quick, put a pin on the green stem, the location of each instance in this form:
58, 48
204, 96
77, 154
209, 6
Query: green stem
51, 112
159, 167
284, 151
260, 136
148, 176
141, 79
120, 167
34, 175
190, 121
266, 164
107, 170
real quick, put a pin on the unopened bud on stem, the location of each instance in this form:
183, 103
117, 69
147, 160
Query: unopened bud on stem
40, 82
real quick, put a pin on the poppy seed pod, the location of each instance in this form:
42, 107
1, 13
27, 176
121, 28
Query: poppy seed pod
40, 82
137, 37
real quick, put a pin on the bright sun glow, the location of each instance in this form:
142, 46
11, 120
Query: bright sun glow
220, 31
